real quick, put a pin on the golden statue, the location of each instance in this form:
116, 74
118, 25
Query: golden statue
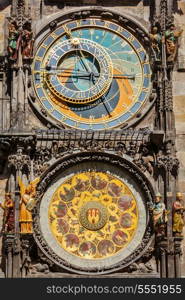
178, 215
8, 217
26, 204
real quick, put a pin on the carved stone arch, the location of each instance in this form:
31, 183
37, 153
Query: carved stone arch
44, 27
144, 170
119, 163
78, 157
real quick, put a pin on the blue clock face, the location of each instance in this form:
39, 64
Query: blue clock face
91, 74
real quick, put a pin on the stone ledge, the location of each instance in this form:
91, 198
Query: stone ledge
116, 275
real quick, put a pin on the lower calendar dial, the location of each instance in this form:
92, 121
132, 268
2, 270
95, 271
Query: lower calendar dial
93, 215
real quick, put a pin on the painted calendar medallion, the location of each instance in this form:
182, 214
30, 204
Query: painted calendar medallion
93, 215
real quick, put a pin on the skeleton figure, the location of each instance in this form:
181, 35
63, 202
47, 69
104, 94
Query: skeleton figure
156, 38
27, 41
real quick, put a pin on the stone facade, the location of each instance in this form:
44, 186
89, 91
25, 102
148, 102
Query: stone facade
179, 97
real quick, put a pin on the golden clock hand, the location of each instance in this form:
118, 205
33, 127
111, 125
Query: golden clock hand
48, 68
68, 32
124, 77
102, 100
74, 75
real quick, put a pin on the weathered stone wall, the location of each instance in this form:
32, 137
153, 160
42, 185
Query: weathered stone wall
4, 12
136, 7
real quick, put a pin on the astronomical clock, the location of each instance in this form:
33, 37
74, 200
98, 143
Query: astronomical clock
89, 140
92, 74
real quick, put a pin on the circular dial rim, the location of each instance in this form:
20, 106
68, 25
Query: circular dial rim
79, 261
53, 176
108, 121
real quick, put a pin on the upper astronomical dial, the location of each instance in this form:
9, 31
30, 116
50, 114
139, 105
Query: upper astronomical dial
92, 74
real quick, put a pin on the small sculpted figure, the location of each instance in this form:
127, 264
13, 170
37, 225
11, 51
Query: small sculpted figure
178, 215
156, 38
27, 42
13, 41
8, 216
27, 202
159, 215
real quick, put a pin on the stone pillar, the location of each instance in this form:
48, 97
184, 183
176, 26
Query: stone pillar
9, 242
170, 258
163, 263
181, 23
161, 246
18, 162
25, 258
177, 254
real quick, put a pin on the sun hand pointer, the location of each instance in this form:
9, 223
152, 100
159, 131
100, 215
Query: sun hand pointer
68, 32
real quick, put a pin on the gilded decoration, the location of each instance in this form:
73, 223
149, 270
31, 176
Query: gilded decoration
27, 203
93, 215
